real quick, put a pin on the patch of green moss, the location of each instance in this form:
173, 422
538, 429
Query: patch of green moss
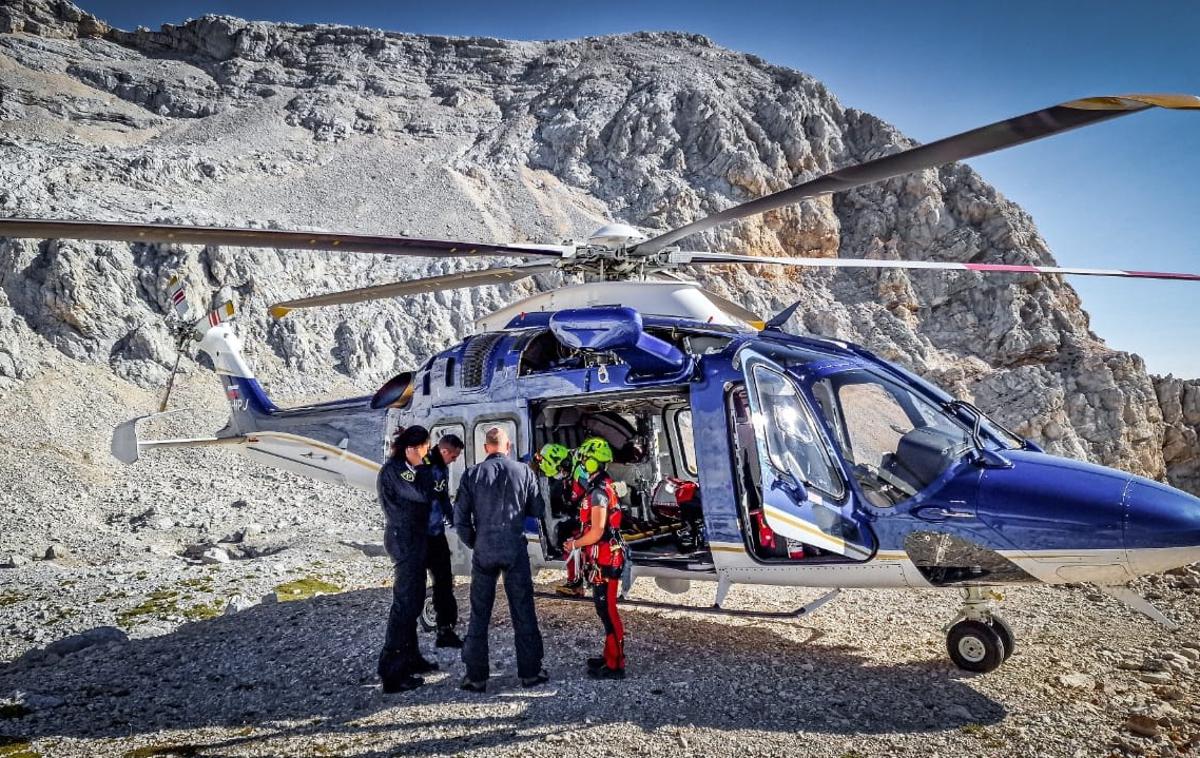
303, 589
203, 611
16, 747
13, 711
62, 614
157, 605
203, 584
112, 595
12, 597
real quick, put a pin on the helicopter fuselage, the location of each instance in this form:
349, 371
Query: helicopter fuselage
818, 463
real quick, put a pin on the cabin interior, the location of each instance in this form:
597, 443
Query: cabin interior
654, 470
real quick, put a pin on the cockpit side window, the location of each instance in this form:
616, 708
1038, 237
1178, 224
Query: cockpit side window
875, 421
895, 441
794, 446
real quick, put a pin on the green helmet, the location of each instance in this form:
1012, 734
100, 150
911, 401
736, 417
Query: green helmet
594, 452
551, 457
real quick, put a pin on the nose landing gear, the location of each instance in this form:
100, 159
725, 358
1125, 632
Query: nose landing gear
977, 639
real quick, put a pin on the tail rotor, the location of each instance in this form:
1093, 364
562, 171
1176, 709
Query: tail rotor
186, 329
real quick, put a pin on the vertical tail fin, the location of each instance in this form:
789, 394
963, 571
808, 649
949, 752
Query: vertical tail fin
247, 400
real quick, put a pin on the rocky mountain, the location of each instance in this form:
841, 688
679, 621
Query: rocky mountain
225, 121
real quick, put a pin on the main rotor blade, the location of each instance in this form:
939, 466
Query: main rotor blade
716, 259
287, 240
985, 139
500, 275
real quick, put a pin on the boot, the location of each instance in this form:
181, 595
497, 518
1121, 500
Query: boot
403, 683
447, 637
571, 589
472, 686
595, 663
396, 671
422, 666
604, 672
541, 677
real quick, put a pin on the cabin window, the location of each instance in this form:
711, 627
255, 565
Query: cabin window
794, 446
460, 465
425, 383
687, 442
481, 430
450, 366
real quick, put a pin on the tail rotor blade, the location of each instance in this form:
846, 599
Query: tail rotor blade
171, 379
177, 289
219, 315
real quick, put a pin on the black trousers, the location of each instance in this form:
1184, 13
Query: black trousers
408, 598
437, 560
518, 586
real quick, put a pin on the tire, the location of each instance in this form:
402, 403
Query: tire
975, 646
1005, 631
428, 617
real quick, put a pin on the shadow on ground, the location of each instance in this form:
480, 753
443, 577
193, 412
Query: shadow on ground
311, 664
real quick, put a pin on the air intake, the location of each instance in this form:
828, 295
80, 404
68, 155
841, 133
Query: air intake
618, 329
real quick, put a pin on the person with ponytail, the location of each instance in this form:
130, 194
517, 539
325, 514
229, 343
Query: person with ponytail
406, 492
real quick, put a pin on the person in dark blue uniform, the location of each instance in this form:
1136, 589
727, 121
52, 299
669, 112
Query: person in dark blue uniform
437, 558
406, 492
494, 499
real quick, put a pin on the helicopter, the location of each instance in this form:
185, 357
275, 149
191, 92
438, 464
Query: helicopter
745, 454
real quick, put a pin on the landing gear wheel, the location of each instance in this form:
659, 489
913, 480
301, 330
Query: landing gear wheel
975, 646
1001, 627
428, 617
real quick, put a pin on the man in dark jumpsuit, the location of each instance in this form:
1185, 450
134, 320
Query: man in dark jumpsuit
494, 499
437, 557
406, 491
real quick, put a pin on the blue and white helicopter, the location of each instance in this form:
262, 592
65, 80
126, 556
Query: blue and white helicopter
746, 455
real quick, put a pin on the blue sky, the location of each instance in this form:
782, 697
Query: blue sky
1121, 195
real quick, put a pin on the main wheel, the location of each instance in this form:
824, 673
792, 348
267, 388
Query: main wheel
975, 646
1001, 627
428, 617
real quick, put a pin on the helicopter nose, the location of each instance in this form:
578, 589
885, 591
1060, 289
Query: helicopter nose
1162, 527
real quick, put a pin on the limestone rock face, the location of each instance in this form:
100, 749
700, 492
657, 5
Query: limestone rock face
224, 121
1180, 403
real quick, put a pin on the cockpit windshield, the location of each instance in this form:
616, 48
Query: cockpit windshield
895, 440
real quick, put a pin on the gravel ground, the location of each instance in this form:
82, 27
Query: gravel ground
867, 675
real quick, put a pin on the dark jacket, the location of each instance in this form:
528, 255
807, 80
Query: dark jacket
494, 499
405, 492
440, 511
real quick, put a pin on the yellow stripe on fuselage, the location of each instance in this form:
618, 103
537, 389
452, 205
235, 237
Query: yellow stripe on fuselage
816, 533
342, 454
725, 547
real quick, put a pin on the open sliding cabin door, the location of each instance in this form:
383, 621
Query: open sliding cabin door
804, 495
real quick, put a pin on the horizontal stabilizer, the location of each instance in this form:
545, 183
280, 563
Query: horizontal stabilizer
126, 447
